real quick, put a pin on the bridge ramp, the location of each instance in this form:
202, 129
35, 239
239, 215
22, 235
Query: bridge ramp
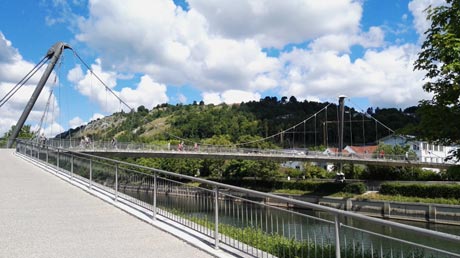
43, 216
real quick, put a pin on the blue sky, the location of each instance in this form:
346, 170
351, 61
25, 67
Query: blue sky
152, 52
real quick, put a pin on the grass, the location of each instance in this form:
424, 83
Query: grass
376, 197
400, 198
292, 191
287, 247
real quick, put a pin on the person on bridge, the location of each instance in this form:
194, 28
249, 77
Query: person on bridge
114, 143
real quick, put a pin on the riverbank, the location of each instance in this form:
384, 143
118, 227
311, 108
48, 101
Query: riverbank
422, 212
409, 211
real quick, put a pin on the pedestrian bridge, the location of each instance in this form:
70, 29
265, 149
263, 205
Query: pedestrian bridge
107, 149
222, 220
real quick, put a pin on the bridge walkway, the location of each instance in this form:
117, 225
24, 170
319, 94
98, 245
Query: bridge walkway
42, 216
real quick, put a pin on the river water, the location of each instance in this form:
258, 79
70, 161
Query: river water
301, 226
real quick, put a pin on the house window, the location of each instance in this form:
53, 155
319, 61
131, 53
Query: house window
425, 146
441, 148
436, 147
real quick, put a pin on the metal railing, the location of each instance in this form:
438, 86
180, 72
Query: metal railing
251, 221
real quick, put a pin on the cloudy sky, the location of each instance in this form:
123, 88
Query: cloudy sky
165, 51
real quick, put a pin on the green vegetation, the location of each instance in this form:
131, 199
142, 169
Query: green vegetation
25, 133
312, 187
451, 191
400, 198
242, 123
440, 59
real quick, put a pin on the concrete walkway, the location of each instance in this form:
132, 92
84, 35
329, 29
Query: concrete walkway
43, 216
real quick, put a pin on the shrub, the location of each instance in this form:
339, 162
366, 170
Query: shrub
355, 188
453, 173
320, 188
421, 190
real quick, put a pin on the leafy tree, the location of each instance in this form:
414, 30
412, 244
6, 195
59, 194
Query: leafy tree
25, 133
440, 58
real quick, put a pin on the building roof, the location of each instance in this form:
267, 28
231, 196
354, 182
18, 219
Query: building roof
335, 150
361, 149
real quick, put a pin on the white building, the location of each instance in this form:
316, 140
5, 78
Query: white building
426, 152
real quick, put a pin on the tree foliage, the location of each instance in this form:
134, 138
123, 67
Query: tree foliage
440, 58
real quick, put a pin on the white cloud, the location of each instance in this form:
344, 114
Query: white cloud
417, 7
217, 48
386, 77
147, 92
277, 23
211, 98
230, 97
76, 122
342, 42
52, 130
96, 116
172, 46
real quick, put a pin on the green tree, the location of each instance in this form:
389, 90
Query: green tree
440, 58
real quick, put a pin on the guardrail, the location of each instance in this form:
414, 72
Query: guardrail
242, 218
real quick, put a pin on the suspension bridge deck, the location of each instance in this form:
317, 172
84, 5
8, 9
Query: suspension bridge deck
41, 216
268, 155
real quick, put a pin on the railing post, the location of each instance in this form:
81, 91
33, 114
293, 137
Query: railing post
57, 159
116, 182
71, 166
216, 219
337, 236
47, 154
155, 188
90, 172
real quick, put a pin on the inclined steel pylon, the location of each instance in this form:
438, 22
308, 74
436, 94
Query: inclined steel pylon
54, 53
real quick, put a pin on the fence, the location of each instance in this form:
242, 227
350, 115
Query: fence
241, 218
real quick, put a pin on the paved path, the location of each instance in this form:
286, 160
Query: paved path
43, 216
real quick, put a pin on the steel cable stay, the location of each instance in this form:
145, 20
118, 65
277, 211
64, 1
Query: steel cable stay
45, 114
23, 81
373, 118
101, 81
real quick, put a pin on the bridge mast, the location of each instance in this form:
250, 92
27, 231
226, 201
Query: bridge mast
54, 53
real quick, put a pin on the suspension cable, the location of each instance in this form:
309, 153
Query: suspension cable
277, 134
23, 81
45, 112
376, 120
100, 80
255, 141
